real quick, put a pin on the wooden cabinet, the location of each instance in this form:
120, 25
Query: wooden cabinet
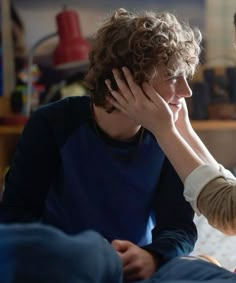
8, 140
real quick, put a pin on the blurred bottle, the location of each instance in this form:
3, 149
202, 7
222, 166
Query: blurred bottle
231, 76
18, 99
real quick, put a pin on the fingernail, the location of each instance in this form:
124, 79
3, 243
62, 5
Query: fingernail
115, 71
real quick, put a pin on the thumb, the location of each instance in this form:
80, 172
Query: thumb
120, 246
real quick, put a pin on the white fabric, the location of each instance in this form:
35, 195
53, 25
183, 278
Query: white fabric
197, 180
214, 243
227, 174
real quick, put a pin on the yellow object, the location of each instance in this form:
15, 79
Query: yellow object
75, 89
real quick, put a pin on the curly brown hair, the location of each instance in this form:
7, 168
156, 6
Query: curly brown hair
141, 43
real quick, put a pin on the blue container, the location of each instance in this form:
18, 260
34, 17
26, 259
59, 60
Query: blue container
231, 75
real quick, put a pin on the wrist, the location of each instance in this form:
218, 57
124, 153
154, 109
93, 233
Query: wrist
166, 134
156, 259
187, 133
183, 125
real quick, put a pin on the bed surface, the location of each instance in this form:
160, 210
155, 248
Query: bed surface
214, 243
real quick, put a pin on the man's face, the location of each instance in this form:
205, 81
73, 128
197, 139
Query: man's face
172, 89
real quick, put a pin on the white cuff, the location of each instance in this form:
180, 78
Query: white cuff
197, 180
227, 174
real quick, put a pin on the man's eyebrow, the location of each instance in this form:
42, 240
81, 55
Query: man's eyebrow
177, 75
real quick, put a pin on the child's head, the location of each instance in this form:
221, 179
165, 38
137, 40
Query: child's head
143, 43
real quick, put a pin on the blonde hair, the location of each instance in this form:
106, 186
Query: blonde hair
142, 43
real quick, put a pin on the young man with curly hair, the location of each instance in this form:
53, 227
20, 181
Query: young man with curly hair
83, 165
209, 187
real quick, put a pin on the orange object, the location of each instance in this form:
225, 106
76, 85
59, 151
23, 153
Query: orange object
14, 120
72, 46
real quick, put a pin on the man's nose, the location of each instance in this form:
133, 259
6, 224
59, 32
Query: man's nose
184, 89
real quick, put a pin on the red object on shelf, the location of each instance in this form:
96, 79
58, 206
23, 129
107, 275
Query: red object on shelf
72, 47
14, 120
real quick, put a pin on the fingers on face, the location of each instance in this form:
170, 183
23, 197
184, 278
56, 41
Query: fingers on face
133, 86
129, 90
152, 94
123, 86
116, 99
149, 91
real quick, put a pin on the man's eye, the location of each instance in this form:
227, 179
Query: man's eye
173, 80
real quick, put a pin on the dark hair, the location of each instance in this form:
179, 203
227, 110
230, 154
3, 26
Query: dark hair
235, 19
142, 43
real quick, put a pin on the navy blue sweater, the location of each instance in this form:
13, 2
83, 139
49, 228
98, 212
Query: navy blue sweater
66, 174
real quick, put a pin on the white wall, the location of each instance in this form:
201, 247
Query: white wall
39, 16
220, 32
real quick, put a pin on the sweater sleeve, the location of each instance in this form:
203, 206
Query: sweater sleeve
213, 194
175, 232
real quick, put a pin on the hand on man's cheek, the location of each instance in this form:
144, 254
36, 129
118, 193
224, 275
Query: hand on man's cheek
138, 264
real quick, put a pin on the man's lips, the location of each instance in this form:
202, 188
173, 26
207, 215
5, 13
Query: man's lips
176, 105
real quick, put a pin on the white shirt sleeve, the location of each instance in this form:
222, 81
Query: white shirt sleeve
227, 174
198, 179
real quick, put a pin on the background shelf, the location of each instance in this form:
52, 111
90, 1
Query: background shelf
212, 125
